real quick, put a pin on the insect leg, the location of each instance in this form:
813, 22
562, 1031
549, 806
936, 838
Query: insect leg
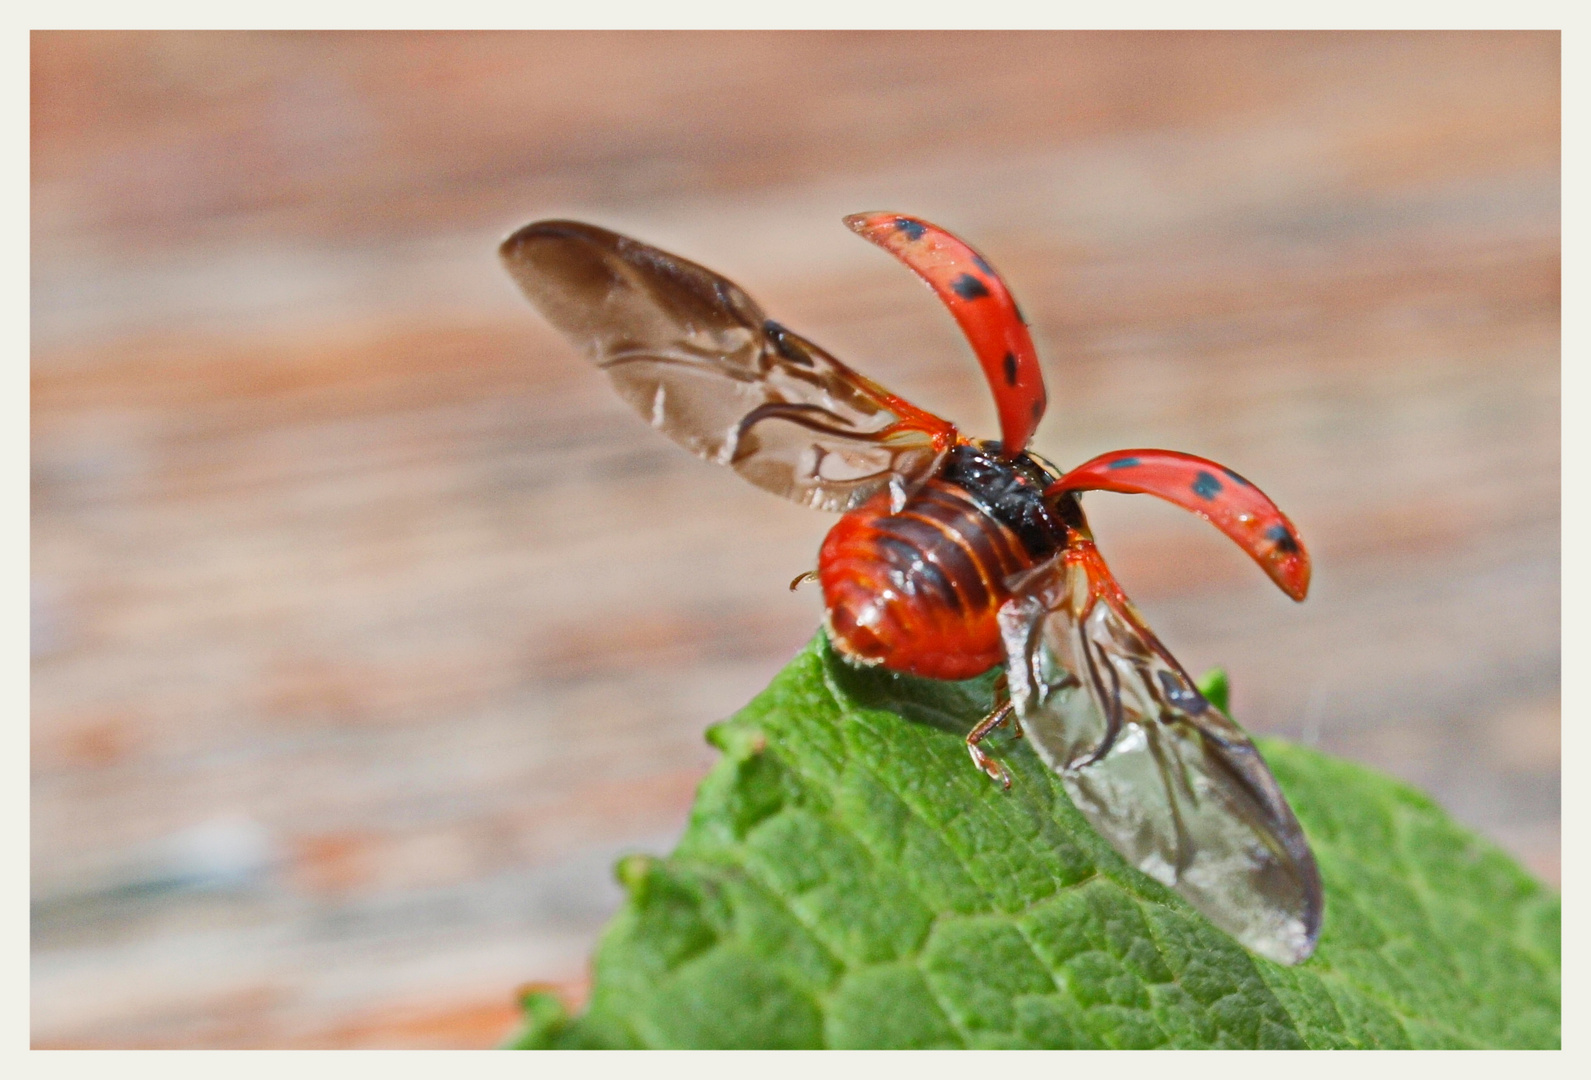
802, 578
992, 768
1002, 699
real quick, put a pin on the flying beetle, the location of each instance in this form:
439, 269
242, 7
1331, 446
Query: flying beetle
954, 555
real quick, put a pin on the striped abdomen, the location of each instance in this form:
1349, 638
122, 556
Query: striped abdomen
918, 590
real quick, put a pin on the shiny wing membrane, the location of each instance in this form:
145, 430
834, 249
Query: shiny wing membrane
698, 359
1175, 786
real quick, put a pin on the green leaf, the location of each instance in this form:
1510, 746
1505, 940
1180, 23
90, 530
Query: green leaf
1214, 686
849, 879
545, 1020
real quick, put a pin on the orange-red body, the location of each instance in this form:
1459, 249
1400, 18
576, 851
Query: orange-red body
918, 590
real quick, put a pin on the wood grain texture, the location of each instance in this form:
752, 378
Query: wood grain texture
370, 627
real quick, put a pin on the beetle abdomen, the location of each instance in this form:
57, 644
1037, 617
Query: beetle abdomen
918, 590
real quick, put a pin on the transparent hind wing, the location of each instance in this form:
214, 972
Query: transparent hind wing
1173, 784
696, 356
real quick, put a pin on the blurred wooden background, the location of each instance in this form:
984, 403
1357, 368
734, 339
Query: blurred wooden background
370, 627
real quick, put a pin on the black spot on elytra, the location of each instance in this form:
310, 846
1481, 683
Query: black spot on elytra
914, 230
969, 288
1236, 479
1010, 369
1284, 540
1123, 463
1206, 486
978, 260
1038, 410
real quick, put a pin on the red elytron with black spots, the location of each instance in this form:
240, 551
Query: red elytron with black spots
954, 555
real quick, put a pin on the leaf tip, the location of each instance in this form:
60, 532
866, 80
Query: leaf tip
730, 738
633, 872
544, 1017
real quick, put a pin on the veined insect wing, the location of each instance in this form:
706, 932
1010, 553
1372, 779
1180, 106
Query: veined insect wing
1175, 786
697, 357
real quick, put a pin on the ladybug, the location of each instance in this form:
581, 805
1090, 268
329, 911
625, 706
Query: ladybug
955, 555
